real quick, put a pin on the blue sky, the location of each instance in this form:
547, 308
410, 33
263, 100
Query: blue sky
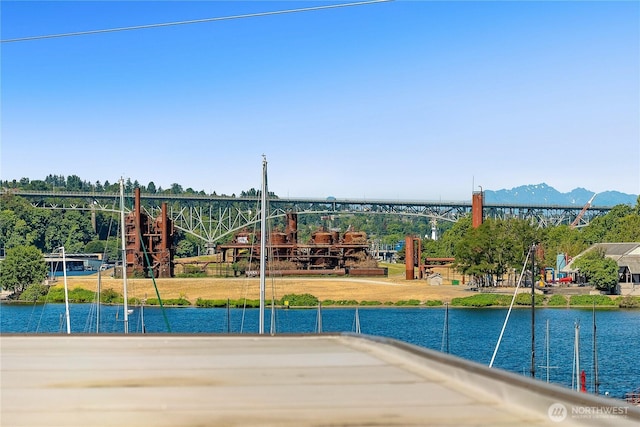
399, 100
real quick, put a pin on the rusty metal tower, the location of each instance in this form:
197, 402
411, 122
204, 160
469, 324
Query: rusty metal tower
149, 242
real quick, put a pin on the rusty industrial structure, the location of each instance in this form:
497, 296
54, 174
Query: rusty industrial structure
148, 242
413, 260
477, 208
327, 252
412, 254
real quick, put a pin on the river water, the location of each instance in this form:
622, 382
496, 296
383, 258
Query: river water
473, 333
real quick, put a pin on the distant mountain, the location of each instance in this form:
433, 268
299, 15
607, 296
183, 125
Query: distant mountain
543, 194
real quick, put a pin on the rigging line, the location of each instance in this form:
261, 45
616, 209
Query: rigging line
250, 261
193, 21
515, 292
90, 316
153, 279
46, 299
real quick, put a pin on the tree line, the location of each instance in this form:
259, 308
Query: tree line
75, 183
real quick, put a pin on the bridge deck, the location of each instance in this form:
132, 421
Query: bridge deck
163, 380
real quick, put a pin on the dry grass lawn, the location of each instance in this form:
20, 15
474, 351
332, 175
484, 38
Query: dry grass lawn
384, 289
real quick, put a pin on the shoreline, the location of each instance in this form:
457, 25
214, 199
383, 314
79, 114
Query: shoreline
332, 292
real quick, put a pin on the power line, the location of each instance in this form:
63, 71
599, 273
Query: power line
194, 21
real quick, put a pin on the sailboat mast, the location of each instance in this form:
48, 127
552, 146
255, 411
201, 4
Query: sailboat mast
596, 381
533, 311
546, 345
66, 290
263, 242
447, 325
576, 352
124, 258
98, 302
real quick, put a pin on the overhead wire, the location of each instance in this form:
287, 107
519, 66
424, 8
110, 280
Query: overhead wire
193, 21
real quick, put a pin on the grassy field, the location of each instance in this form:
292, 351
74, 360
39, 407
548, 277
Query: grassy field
393, 288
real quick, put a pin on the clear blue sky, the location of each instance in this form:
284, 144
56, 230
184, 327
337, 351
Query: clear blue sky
401, 100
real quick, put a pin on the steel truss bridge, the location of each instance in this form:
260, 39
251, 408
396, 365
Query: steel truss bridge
212, 217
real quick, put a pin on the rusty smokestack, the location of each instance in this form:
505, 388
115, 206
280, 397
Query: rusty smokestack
477, 209
408, 257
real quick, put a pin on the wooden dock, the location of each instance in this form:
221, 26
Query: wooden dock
284, 380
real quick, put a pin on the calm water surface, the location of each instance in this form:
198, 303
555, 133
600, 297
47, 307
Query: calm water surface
473, 333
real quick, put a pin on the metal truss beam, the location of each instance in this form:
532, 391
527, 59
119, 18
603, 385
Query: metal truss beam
211, 218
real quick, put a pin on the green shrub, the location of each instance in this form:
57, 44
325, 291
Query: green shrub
411, 302
77, 295
482, 300
170, 301
589, 300
370, 303
211, 303
109, 296
249, 303
34, 292
524, 298
433, 303
295, 300
234, 303
340, 302
557, 301
628, 302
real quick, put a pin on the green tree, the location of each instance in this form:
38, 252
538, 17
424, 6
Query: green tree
599, 230
70, 229
625, 229
109, 248
186, 248
600, 271
454, 235
561, 240
494, 248
22, 266
74, 183
176, 189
